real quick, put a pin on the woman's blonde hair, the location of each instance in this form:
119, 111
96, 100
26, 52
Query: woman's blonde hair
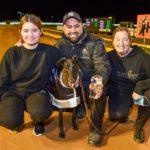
121, 29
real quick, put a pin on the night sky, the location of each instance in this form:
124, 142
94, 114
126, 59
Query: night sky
54, 10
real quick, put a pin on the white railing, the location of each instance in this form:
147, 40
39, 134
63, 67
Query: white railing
56, 36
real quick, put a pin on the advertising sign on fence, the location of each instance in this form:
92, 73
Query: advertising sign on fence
143, 26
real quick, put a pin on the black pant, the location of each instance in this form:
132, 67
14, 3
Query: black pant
143, 116
97, 110
119, 105
12, 107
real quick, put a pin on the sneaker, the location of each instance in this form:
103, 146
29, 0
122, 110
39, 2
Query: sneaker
38, 129
16, 130
139, 135
95, 139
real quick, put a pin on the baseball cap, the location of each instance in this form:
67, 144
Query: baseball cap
71, 14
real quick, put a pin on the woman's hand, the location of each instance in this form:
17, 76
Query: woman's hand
136, 96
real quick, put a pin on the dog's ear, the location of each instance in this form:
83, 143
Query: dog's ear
61, 61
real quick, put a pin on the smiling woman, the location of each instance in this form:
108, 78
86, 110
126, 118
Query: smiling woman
30, 32
24, 72
130, 79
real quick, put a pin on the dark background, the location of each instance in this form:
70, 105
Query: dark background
48, 10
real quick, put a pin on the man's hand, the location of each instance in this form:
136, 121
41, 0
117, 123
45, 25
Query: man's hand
19, 43
97, 89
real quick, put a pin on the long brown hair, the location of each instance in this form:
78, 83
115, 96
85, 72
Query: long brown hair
31, 18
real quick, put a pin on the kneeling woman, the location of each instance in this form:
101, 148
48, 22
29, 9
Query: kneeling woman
24, 72
130, 78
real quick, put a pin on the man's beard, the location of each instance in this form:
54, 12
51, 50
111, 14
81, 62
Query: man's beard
76, 39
